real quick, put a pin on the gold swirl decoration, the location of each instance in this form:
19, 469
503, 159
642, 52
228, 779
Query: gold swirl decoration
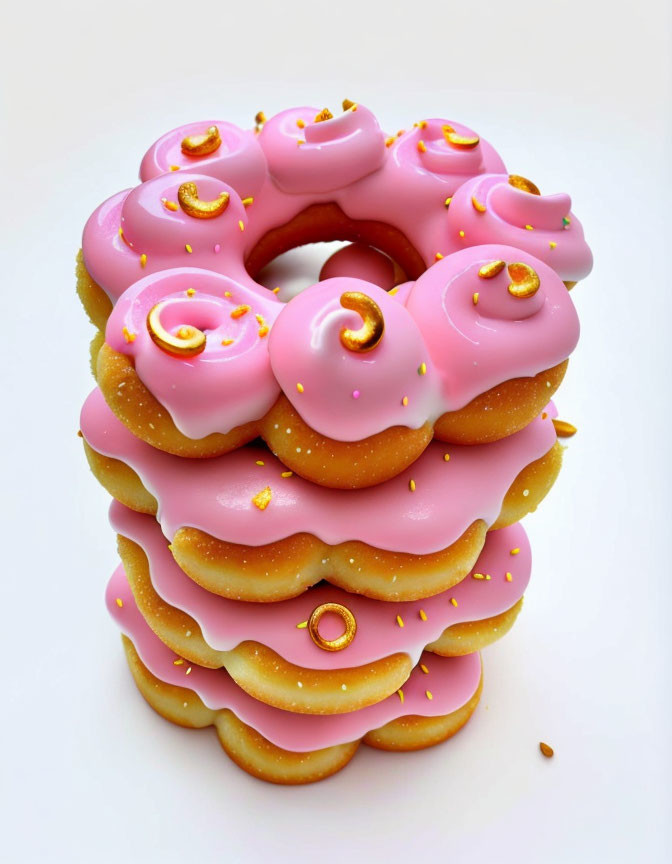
525, 282
202, 145
192, 205
346, 617
523, 183
373, 323
187, 342
462, 142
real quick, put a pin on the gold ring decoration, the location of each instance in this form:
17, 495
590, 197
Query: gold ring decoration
344, 639
525, 280
202, 145
192, 205
187, 342
373, 327
460, 141
491, 269
523, 183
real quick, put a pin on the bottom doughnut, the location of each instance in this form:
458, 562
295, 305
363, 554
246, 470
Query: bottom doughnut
265, 760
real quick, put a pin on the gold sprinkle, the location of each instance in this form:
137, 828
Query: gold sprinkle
411, 485
262, 499
474, 298
300, 387
453, 601
393, 291
247, 201
428, 694
400, 694
299, 142
447, 202
563, 429
239, 311
529, 228
446, 457
400, 621
79, 433
438, 256
188, 672
226, 342
259, 462
552, 244
488, 577
462, 142
492, 269
300, 123
302, 625
347, 104
263, 330
422, 124
190, 292
423, 615
260, 118
523, 183
119, 602
509, 577
544, 415
546, 749
515, 551
169, 205
143, 260
424, 669
476, 204
178, 662
461, 233
389, 141
241, 224
422, 147
188, 248
227, 294
477, 576
422, 369
525, 281
404, 401
128, 336
276, 289
287, 474
174, 167
325, 114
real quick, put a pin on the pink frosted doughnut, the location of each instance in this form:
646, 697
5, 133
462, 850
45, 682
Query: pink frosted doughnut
231, 155
229, 381
495, 208
309, 150
360, 262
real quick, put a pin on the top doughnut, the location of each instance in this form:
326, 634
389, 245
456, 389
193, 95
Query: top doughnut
470, 348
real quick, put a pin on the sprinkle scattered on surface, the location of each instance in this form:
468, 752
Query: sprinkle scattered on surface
546, 749
422, 147
356, 394
263, 498
461, 233
227, 341
509, 577
424, 669
515, 551
400, 694
474, 298
400, 621
446, 203
411, 485
446, 457
404, 401
169, 205
248, 201
188, 248
477, 205
423, 615
260, 462
438, 256
119, 602
128, 336
191, 292
302, 625
428, 694
453, 601
143, 260
300, 387
422, 369
287, 474
241, 224
529, 228
179, 661
552, 244
239, 311
174, 167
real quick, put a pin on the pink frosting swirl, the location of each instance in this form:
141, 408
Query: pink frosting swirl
230, 382
238, 160
490, 209
145, 230
348, 394
309, 156
478, 333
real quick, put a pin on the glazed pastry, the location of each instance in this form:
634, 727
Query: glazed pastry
244, 527
197, 365
266, 647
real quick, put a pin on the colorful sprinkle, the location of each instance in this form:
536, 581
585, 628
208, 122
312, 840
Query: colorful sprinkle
300, 123
509, 577
438, 256
188, 672
248, 201
422, 369
476, 204
453, 601
241, 224
239, 311
128, 336
393, 291
566, 221
446, 203
302, 625
529, 228
218, 248
356, 394
424, 669
563, 429
263, 498
169, 205
226, 342
428, 694
287, 474
552, 244
422, 147
477, 576
259, 462
411, 485
461, 233
260, 118
400, 694
446, 457
404, 401
188, 248
389, 141
299, 142
400, 621
515, 551
174, 167
474, 298
119, 602
190, 292
300, 387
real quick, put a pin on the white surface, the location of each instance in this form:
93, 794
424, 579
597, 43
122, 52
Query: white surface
575, 98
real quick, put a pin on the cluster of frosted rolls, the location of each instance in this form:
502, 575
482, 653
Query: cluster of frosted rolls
436, 700
347, 383
245, 527
264, 646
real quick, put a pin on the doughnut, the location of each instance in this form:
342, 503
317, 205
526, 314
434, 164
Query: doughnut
243, 526
265, 648
204, 697
359, 411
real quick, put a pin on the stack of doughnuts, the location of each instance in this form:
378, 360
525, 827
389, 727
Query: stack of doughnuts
318, 502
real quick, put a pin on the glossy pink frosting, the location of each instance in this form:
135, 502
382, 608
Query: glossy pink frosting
508, 210
238, 161
215, 495
224, 386
452, 681
361, 262
226, 623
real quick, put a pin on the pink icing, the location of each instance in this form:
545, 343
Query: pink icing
225, 385
507, 211
238, 161
361, 262
451, 680
333, 153
227, 623
305, 347
164, 235
215, 495
472, 343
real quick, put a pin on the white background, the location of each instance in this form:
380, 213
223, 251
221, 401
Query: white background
575, 95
